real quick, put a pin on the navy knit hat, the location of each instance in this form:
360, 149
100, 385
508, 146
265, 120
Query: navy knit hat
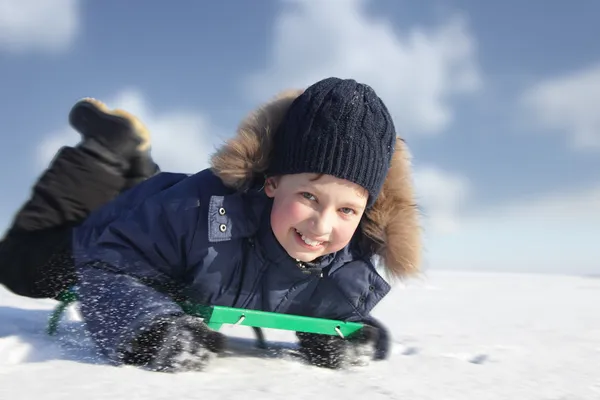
337, 127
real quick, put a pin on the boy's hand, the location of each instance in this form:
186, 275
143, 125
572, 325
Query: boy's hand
335, 352
175, 344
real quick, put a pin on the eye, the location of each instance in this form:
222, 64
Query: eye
347, 211
308, 196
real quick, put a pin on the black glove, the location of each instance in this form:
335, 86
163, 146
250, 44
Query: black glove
335, 352
175, 344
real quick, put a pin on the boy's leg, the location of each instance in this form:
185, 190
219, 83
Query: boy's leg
115, 149
35, 256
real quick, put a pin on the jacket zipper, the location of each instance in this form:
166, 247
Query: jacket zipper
254, 285
293, 289
256, 280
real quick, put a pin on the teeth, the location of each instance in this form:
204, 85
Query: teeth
307, 240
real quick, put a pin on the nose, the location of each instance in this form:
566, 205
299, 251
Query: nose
322, 223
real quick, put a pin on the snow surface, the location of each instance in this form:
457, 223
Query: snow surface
455, 336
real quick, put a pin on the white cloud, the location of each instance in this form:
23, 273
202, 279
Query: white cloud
441, 195
181, 140
556, 232
415, 74
38, 25
569, 104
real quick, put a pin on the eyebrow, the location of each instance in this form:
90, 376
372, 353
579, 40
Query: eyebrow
349, 204
354, 206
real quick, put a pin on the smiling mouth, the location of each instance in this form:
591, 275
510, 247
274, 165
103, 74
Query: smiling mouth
312, 243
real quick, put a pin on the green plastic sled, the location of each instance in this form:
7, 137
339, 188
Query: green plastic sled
216, 316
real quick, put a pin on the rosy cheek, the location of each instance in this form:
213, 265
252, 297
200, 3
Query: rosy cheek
296, 211
286, 215
343, 234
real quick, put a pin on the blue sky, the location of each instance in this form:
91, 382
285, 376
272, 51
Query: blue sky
498, 101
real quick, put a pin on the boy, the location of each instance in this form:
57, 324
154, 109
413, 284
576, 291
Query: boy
289, 218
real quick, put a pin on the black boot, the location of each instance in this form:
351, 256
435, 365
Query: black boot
116, 136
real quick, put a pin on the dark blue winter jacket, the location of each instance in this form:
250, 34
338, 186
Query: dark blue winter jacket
207, 238
194, 236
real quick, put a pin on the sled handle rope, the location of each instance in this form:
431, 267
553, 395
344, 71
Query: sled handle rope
216, 316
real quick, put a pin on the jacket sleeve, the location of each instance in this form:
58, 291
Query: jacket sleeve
141, 251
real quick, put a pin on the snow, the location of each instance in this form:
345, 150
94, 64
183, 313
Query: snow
456, 335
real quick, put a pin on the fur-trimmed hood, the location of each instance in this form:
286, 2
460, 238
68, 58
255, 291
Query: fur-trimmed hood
390, 228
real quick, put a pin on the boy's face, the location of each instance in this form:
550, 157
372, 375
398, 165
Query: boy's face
313, 217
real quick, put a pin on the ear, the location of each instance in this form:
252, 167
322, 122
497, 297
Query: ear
270, 186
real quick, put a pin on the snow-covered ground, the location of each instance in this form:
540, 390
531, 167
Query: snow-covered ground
455, 336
